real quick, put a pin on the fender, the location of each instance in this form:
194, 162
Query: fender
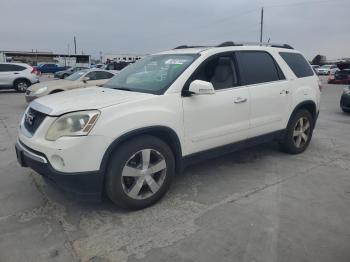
171, 138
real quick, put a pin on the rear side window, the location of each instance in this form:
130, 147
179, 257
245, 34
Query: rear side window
257, 67
298, 64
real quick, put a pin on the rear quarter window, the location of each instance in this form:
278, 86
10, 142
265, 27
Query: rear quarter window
298, 64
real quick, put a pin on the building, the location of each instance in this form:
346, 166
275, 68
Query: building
121, 57
35, 58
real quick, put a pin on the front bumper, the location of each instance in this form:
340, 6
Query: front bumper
88, 185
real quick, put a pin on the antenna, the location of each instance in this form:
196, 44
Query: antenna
261, 25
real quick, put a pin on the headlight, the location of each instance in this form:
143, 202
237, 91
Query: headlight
40, 90
73, 124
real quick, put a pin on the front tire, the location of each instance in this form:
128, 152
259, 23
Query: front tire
64, 76
299, 133
140, 172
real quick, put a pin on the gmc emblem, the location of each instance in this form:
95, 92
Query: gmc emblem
29, 118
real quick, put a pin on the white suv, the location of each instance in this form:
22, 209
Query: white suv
166, 111
17, 75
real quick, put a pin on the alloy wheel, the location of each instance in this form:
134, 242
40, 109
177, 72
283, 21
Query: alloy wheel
301, 132
143, 174
22, 86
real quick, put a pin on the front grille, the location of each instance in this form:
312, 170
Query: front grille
32, 120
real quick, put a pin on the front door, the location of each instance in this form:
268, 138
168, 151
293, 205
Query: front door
217, 119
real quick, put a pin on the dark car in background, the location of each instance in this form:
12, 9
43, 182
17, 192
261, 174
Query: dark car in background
50, 68
345, 100
340, 77
63, 74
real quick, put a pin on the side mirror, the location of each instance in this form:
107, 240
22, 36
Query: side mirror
199, 87
85, 79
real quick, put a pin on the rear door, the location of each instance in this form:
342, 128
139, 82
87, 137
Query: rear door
218, 119
268, 88
8, 73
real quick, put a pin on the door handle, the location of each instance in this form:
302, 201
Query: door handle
284, 92
239, 100
15, 73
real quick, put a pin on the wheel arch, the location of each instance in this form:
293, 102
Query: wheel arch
164, 133
21, 78
308, 105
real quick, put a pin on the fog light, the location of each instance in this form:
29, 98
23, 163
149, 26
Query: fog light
57, 162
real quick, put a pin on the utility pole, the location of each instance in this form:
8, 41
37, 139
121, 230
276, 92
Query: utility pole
261, 25
75, 45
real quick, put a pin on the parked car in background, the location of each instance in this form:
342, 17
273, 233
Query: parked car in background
345, 100
116, 65
83, 78
166, 111
340, 77
327, 69
315, 68
50, 68
17, 76
63, 74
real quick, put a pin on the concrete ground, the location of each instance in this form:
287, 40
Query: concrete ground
254, 205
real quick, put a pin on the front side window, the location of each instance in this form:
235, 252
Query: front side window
219, 71
298, 64
257, 67
153, 74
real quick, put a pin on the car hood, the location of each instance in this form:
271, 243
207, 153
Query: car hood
84, 99
53, 84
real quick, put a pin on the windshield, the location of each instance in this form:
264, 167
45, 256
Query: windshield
76, 75
153, 74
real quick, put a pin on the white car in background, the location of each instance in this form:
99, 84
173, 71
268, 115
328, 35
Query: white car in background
18, 76
327, 69
82, 78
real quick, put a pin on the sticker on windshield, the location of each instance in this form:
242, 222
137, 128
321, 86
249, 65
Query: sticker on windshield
176, 61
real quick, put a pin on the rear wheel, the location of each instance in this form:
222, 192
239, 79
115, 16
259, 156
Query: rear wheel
21, 85
140, 172
299, 132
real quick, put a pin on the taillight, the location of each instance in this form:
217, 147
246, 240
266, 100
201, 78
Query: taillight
34, 71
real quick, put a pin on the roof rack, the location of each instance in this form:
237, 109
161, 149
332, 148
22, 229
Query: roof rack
187, 46
230, 43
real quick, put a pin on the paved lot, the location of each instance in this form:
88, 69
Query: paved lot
254, 205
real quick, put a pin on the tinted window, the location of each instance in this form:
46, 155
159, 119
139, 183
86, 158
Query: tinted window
105, 75
101, 75
257, 67
220, 71
11, 68
298, 64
